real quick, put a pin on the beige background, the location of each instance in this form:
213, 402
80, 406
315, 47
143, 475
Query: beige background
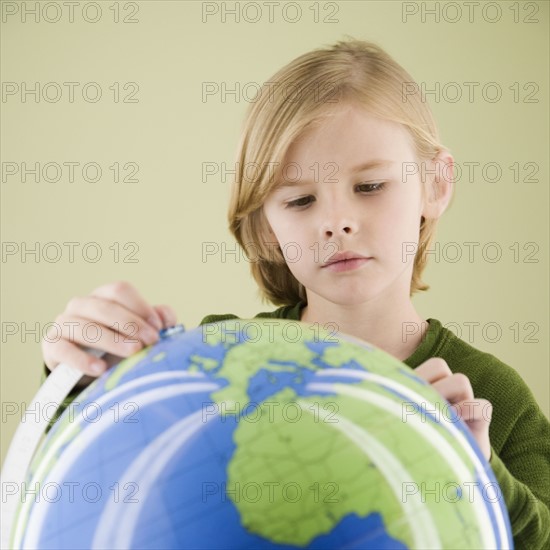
170, 132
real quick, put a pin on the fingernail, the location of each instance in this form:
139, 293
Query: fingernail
97, 367
132, 346
155, 321
150, 336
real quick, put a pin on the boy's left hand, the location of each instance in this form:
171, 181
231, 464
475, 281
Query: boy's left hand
456, 389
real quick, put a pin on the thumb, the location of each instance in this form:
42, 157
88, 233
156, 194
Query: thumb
477, 415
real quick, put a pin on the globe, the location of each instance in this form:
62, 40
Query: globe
260, 433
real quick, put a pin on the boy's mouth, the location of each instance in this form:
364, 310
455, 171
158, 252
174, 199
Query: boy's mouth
344, 256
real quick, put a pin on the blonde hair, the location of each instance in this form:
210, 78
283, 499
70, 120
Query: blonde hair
301, 96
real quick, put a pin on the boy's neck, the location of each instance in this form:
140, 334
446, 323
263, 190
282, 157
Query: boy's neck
398, 331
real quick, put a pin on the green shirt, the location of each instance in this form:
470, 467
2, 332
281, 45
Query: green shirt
519, 431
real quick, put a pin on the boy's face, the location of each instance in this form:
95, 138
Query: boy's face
341, 210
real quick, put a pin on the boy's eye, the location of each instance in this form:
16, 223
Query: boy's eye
365, 188
298, 202
371, 187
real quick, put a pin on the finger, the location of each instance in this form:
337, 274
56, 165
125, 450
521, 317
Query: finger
112, 315
71, 354
477, 413
167, 315
455, 388
94, 335
433, 369
125, 294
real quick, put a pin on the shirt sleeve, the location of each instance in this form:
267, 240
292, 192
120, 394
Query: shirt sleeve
214, 318
522, 469
520, 439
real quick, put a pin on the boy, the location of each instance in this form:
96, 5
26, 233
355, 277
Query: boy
330, 213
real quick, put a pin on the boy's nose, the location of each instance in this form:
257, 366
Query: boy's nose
338, 231
339, 219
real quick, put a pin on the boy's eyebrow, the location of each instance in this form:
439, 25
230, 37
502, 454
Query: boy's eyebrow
376, 163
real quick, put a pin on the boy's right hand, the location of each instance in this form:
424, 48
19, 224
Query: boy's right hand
113, 318
457, 390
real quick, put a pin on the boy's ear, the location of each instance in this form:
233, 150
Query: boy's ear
440, 185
